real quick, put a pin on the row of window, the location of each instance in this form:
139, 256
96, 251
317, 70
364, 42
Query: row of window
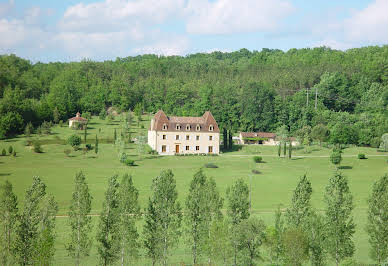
187, 148
188, 127
177, 137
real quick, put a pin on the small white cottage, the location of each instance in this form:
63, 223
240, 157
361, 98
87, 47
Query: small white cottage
77, 122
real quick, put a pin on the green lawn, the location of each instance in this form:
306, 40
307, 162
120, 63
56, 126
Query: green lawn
272, 187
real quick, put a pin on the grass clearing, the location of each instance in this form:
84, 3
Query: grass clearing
273, 186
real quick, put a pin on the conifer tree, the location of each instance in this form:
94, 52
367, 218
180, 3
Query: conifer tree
297, 214
163, 221
8, 218
238, 209
377, 226
96, 145
339, 221
279, 149
85, 133
108, 236
129, 214
290, 150
79, 221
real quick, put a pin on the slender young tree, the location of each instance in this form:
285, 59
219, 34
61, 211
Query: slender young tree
108, 236
79, 220
238, 209
284, 148
339, 220
46, 238
34, 242
316, 238
115, 135
85, 133
152, 233
96, 146
290, 149
195, 213
164, 217
251, 236
220, 248
8, 219
274, 239
297, 214
377, 226
203, 204
129, 214
279, 149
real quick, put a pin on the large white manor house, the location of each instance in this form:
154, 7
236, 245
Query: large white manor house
184, 135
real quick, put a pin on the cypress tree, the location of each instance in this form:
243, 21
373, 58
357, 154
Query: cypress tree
96, 145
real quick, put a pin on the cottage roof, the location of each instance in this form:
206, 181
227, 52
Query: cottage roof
78, 118
186, 123
258, 135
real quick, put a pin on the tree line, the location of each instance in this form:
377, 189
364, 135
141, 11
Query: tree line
299, 234
245, 90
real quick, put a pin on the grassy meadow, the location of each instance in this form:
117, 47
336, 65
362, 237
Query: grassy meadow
273, 186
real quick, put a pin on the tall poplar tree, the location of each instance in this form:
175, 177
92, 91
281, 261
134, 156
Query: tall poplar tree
129, 214
35, 230
238, 209
79, 220
8, 218
297, 214
339, 221
377, 226
108, 235
163, 221
203, 205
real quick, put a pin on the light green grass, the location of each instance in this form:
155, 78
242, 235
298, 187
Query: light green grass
273, 186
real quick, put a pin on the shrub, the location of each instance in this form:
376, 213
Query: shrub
142, 126
336, 158
123, 157
29, 129
256, 172
36, 146
74, 141
28, 142
67, 152
88, 146
361, 156
3, 152
257, 159
210, 165
10, 150
102, 114
129, 162
14, 153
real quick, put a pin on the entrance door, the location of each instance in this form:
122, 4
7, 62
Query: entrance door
176, 148
210, 150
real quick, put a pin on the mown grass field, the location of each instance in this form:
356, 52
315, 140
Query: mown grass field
272, 187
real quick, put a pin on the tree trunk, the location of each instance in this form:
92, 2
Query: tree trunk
230, 140
225, 137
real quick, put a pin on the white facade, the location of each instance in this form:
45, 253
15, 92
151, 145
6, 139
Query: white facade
170, 143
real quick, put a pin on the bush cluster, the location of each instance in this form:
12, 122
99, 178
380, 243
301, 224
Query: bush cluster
210, 165
257, 159
361, 156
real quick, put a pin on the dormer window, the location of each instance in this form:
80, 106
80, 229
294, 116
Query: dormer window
198, 128
188, 127
211, 128
164, 126
178, 127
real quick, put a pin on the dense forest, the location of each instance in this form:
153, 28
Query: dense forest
300, 88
